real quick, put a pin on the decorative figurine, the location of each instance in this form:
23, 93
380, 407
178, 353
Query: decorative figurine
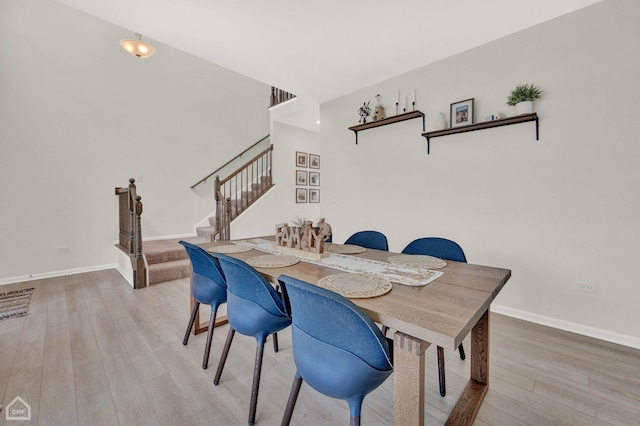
364, 112
378, 112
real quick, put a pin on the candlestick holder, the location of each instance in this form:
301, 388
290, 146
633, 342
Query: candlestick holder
413, 106
396, 108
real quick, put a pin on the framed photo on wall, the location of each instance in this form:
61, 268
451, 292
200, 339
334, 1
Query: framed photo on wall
301, 159
314, 195
314, 178
301, 195
301, 177
461, 113
314, 161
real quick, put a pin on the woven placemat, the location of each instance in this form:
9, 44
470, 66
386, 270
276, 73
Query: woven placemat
418, 261
272, 261
229, 248
344, 248
356, 286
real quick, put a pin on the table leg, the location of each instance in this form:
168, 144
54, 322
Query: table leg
468, 405
408, 380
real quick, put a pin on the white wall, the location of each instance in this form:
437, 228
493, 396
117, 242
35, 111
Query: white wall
556, 211
79, 116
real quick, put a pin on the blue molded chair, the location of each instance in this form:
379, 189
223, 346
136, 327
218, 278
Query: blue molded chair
369, 239
208, 287
338, 350
255, 309
447, 250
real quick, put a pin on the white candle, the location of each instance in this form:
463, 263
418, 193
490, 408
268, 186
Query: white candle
398, 97
414, 96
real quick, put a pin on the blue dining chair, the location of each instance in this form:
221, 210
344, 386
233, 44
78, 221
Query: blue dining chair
338, 350
448, 250
369, 239
207, 287
255, 309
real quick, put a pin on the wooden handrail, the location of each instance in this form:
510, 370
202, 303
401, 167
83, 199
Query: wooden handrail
247, 164
227, 163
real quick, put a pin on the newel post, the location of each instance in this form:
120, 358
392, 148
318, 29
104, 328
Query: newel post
132, 219
216, 193
139, 275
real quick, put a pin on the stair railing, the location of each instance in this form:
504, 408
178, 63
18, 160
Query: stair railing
130, 237
278, 96
241, 189
204, 179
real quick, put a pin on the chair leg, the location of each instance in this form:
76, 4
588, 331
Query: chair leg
443, 386
275, 342
256, 383
384, 330
291, 403
194, 312
207, 348
223, 357
355, 407
461, 350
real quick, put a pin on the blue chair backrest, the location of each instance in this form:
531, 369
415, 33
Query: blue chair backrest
247, 283
335, 320
207, 281
437, 247
369, 239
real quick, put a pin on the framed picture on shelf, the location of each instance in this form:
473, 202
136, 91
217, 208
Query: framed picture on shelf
301, 159
314, 178
301, 177
301, 195
461, 113
314, 161
314, 195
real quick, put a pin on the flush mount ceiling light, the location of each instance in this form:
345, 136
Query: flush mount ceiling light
137, 47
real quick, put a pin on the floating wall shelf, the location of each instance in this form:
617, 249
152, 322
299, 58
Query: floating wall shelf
390, 120
523, 118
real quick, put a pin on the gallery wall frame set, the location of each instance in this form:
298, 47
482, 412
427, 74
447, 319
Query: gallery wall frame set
310, 178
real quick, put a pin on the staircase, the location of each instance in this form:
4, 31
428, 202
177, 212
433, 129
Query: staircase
167, 260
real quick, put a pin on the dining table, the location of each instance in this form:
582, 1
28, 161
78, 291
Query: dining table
442, 312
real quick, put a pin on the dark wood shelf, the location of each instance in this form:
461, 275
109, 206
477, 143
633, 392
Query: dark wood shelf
523, 118
390, 120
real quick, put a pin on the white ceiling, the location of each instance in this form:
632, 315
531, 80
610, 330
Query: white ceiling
328, 48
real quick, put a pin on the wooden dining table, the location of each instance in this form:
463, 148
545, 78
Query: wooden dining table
442, 312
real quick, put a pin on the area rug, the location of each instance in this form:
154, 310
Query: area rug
15, 303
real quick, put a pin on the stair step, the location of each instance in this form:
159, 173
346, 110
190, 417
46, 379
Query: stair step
169, 271
206, 231
159, 251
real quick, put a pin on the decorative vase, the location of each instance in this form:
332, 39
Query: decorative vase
524, 107
441, 122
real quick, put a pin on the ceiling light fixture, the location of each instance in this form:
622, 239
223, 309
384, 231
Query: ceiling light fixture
137, 47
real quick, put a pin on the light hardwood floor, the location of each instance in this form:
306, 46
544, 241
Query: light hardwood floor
93, 351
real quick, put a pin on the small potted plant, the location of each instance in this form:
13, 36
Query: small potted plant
523, 96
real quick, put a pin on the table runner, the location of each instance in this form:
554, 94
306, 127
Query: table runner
395, 273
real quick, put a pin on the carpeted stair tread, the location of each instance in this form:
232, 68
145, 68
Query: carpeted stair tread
169, 271
206, 232
159, 251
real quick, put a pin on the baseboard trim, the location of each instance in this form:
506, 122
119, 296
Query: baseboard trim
32, 277
596, 333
